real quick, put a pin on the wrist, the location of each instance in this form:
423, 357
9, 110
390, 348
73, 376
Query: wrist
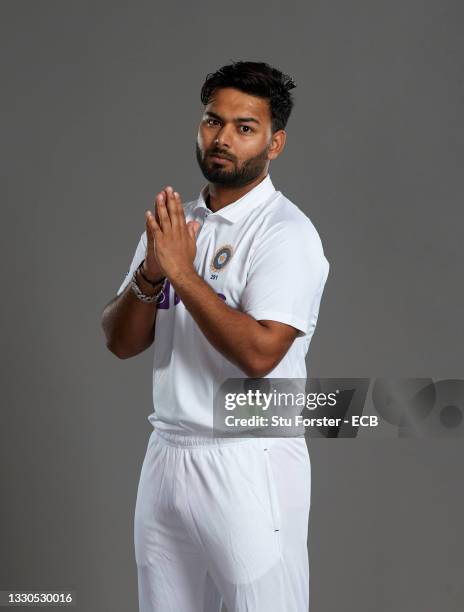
138, 287
148, 278
179, 274
146, 288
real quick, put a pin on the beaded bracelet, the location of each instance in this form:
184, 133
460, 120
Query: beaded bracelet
152, 283
149, 299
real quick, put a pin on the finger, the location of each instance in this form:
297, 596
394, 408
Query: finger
164, 220
179, 212
155, 209
179, 208
156, 228
172, 208
148, 218
191, 231
192, 228
151, 220
154, 235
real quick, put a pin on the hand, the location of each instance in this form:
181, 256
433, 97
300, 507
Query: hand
174, 239
151, 267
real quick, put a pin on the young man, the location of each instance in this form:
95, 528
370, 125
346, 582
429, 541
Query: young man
225, 286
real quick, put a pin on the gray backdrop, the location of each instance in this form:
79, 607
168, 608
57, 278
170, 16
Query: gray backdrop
100, 108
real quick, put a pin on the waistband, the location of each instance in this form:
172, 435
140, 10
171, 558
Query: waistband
187, 441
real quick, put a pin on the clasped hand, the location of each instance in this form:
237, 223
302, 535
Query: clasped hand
171, 241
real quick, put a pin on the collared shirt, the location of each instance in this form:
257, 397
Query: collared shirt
263, 256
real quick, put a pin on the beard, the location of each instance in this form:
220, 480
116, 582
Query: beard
238, 176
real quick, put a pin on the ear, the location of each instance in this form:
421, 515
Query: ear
277, 144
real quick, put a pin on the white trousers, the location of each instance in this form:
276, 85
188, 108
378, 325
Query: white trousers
223, 521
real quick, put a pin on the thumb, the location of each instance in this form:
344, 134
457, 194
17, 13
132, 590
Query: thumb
192, 228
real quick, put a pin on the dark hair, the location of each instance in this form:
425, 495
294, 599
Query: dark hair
257, 79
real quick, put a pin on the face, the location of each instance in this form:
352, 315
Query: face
237, 126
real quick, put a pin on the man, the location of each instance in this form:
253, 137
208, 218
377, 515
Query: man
225, 286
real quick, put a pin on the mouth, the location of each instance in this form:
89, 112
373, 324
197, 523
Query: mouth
219, 158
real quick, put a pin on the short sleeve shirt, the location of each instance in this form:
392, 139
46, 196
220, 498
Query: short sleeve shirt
261, 255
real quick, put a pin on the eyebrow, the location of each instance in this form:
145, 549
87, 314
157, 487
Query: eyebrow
237, 120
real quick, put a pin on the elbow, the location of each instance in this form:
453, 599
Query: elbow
259, 368
116, 351
111, 343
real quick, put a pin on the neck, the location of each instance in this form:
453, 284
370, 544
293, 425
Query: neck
219, 196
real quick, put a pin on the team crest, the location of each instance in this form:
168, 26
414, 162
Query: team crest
221, 258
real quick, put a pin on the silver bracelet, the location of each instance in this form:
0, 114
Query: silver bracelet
148, 299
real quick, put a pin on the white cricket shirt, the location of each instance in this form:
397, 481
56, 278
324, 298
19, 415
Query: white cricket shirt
263, 256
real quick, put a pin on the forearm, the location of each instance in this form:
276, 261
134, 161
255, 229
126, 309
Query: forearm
129, 323
236, 335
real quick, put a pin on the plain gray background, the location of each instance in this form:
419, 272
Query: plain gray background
100, 109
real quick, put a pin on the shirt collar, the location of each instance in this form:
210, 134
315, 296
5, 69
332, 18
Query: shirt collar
233, 211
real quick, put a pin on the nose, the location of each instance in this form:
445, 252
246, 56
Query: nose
223, 137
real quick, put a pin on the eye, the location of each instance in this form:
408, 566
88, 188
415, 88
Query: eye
208, 121
248, 128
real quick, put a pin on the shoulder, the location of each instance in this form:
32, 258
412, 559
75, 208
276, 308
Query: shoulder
285, 219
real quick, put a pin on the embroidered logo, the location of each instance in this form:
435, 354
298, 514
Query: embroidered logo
221, 258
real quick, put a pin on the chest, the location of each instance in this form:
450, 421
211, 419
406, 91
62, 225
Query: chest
223, 257
222, 260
